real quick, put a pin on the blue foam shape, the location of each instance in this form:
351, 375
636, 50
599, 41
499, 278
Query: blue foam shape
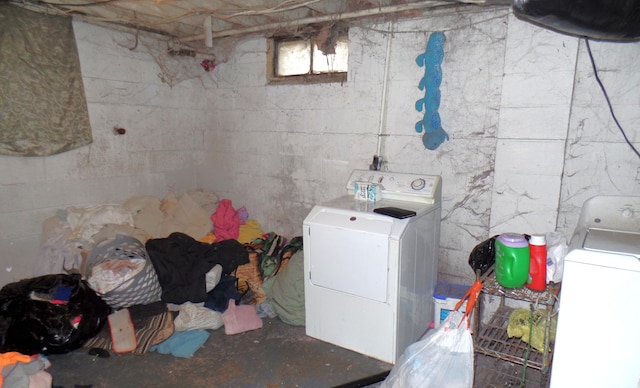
435, 77
422, 83
433, 140
431, 123
434, 120
431, 100
435, 44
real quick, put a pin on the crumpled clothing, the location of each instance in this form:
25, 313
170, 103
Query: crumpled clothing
193, 317
181, 264
226, 223
218, 298
250, 231
212, 278
265, 309
87, 221
285, 291
24, 371
58, 251
10, 358
243, 214
182, 344
240, 318
184, 215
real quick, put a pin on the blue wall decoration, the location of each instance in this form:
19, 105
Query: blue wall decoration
431, 59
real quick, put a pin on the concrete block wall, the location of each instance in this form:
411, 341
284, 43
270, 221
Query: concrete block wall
530, 134
508, 104
164, 138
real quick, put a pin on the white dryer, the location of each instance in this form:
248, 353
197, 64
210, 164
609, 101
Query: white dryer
369, 278
597, 338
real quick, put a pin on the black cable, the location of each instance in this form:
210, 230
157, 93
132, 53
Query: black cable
606, 96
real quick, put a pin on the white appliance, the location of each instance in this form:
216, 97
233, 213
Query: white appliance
598, 334
369, 278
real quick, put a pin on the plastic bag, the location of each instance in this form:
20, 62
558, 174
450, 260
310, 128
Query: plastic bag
441, 358
615, 20
520, 326
557, 249
483, 256
49, 314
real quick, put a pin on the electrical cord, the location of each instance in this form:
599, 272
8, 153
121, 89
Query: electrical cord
606, 96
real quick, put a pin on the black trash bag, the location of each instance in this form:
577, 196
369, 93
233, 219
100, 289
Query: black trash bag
50, 314
483, 256
611, 20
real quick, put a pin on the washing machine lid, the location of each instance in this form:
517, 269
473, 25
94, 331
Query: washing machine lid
347, 202
612, 241
609, 224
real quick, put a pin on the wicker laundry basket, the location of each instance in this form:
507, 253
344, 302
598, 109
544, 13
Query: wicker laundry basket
142, 288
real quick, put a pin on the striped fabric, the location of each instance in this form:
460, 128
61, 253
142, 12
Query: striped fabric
149, 331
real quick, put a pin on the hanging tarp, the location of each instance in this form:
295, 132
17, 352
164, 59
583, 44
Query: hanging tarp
43, 109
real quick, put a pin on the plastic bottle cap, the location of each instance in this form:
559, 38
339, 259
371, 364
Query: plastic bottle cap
537, 240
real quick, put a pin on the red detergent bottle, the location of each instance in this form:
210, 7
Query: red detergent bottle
538, 263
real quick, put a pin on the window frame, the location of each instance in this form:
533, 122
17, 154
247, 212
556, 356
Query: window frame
272, 62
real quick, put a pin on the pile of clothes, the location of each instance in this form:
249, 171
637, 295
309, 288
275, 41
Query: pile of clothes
179, 266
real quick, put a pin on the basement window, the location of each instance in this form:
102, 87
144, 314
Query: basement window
308, 60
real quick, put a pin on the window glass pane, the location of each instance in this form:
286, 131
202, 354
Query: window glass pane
333, 62
294, 57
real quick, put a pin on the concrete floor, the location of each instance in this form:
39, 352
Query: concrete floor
278, 355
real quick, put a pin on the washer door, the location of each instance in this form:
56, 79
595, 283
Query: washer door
349, 252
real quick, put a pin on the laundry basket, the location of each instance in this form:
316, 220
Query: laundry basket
139, 286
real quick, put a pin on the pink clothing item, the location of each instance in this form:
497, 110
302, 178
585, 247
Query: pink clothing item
226, 223
238, 319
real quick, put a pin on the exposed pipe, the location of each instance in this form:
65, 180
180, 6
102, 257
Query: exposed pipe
334, 17
383, 102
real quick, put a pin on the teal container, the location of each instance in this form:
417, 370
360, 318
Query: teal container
512, 260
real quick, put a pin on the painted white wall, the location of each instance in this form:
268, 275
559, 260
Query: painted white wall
163, 144
531, 137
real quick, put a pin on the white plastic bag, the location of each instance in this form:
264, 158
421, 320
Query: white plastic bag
557, 249
441, 358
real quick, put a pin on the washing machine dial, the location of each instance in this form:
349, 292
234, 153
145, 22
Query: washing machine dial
627, 213
418, 184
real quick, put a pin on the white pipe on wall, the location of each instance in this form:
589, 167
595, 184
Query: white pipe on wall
383, 102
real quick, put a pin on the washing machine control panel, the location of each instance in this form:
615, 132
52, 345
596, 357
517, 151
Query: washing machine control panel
400, 186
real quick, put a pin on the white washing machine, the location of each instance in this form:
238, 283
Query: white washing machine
598, 336
369, 278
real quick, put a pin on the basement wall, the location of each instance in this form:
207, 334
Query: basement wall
530, 135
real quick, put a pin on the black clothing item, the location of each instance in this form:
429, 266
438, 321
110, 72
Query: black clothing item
218, 298
181, 263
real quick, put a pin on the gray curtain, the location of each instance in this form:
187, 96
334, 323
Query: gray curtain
43, 109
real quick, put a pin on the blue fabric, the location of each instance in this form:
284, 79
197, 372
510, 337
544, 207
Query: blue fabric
218, 298
182, 344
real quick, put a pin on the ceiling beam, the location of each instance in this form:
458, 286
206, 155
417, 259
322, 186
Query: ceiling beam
334, 17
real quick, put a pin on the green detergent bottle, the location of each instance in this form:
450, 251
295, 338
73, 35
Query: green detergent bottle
512, 260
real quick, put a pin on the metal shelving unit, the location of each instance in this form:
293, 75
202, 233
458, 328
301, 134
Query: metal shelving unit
491, 339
